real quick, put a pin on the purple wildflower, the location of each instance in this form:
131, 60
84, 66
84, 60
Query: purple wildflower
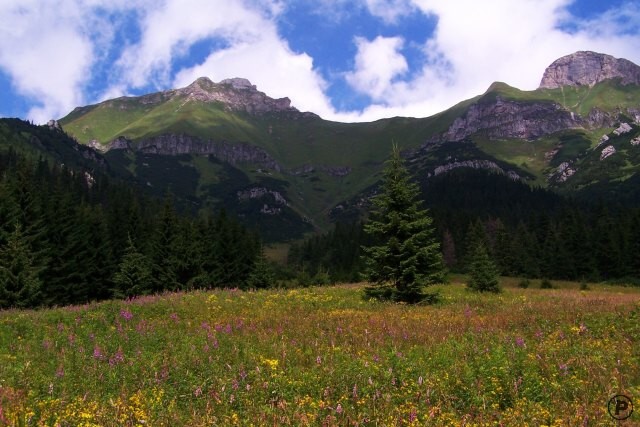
97, 352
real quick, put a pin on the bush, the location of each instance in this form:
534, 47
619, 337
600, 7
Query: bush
546, 284
524, 283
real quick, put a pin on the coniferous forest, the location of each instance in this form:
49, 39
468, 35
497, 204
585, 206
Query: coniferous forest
69, 238
528, 232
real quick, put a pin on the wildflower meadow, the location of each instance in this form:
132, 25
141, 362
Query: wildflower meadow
325, 356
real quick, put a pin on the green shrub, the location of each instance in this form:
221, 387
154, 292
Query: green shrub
546, 284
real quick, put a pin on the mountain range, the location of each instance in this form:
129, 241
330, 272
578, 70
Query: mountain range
288, 172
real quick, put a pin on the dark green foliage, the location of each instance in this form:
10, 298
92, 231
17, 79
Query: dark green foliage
167, 249
528, 232
261, 275
546, 284
70, 236
483, 273
134, 275
524, 283
20, 281
336, 253
408, 257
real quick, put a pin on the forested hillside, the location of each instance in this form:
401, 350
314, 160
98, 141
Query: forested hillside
69, 237
530, 232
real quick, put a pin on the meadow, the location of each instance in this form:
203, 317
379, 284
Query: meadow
325, 356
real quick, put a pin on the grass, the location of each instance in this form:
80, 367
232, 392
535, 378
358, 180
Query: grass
363, 147
324, 356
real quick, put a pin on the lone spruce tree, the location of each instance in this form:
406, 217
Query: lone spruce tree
483, 273
405, 257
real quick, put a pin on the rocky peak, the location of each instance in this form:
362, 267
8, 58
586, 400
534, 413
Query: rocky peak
237, 94
588, 68
238, 83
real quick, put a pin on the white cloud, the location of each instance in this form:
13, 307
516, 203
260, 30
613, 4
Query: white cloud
272, 67
51, 50
389, 11
46, 58
377, 63
476, 43
47, 48
173, 26
254, 51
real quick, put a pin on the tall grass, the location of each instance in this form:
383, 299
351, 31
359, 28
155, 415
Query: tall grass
324, 356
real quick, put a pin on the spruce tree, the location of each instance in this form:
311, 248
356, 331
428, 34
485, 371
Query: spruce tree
20, 282
261, 275
406, 256
165, 257
483, 272
134, 275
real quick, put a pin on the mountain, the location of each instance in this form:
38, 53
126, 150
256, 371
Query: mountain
287, 172
587, 69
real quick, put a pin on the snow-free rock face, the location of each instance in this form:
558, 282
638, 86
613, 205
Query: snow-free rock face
588, 68
236, 94
510, 119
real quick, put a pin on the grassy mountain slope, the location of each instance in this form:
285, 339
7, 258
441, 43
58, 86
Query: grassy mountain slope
309, 150
299, 142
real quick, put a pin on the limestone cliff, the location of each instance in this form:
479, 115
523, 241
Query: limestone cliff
588, 68
503, 118
171, 144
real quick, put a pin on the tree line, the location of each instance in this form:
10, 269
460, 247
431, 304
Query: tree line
527, 232
68, 237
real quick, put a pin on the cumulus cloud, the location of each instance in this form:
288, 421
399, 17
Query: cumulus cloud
48, 49
45, 58
170, 28
377, 63
477, 43
272, 67
54, 52
252, 49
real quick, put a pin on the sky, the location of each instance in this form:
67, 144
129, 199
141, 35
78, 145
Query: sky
346, 60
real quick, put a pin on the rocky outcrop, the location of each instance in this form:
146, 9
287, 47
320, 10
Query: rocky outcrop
622, 129
120, 143
588, 68
474, 164
54, 125
172, 145
562, 173
504, 119
335, 171
260, 192
222, 150
607, 151
236, 94
597, 119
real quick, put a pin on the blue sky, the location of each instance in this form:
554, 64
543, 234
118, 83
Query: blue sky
347, 60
